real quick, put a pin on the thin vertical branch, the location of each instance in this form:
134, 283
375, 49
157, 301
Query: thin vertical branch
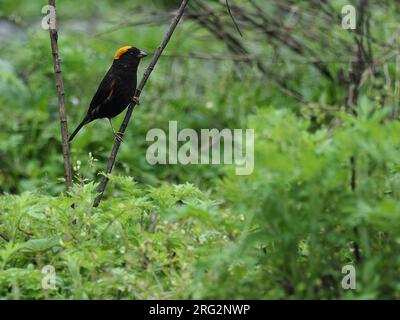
149, 70
61, 95
4, 237
363, 59
153, 222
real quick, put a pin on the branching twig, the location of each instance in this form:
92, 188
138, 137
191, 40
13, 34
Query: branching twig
61, 96
139, 89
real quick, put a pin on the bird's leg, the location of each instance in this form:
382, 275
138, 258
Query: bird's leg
136, 100
117, 135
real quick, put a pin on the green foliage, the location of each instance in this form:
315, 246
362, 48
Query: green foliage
111, 251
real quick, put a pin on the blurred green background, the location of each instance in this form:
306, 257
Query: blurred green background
284, 232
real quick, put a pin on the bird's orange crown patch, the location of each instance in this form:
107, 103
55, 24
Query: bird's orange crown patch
121, 51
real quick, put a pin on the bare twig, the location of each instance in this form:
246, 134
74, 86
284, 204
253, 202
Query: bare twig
139, 89
61, 96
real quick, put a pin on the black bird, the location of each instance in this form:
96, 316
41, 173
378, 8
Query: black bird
117, 88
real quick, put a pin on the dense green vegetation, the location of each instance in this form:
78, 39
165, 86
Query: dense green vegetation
194, 231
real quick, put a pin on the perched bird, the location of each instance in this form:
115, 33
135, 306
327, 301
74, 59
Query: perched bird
117, 88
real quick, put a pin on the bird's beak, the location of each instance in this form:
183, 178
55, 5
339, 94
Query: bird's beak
142, 54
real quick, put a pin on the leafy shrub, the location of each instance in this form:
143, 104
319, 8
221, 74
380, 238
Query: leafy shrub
113, 251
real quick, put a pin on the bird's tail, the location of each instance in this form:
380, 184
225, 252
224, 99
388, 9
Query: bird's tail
84, 121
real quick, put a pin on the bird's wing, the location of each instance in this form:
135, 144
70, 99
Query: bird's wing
104, 92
